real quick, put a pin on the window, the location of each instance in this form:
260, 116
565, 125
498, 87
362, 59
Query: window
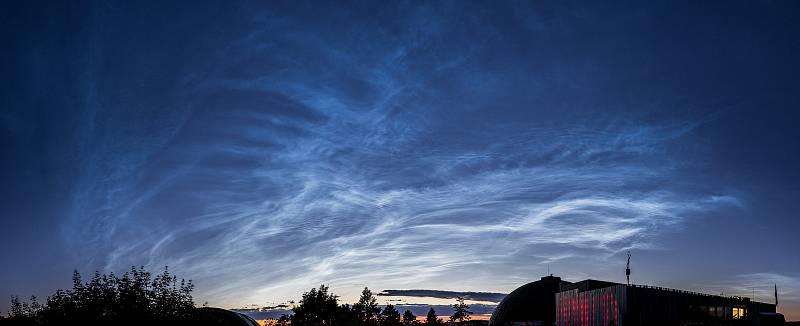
738, 313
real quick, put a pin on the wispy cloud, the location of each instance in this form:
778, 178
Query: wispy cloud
762, 285
304, 157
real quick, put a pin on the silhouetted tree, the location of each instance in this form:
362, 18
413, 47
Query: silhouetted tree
318, 307
23, 313
431, 318
367, 308
171, 299
107, 299
461, 311
346, 316
390, 316
59, 307
409, 318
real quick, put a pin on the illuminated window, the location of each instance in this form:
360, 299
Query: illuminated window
738, 313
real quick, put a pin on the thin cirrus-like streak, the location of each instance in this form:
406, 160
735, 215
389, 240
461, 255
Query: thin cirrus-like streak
348, 167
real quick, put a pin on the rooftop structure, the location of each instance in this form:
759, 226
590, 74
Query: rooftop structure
552, 301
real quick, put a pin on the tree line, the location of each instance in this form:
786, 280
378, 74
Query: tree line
320, 307
134, 298
139, 298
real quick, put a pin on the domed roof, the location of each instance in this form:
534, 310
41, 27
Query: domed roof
534, 301
216, 316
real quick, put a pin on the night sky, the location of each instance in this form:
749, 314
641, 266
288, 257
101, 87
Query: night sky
262, 149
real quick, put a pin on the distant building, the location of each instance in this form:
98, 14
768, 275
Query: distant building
552, 301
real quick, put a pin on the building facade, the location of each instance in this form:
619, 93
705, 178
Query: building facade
552, 301
603, 306
593, 303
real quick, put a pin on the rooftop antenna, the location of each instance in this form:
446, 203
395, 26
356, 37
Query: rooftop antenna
776, 295
628, 268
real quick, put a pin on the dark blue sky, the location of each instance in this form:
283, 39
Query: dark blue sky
262, 149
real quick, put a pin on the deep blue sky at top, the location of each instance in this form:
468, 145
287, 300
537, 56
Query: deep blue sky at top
265, 148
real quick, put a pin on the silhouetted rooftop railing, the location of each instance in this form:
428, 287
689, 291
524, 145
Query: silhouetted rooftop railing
689, 292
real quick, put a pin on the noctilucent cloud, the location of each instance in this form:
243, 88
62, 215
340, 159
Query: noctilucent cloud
264, 149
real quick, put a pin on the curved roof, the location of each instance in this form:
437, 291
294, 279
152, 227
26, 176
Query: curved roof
534, 301
217, 316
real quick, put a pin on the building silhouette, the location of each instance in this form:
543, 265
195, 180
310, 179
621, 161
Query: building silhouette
553, 301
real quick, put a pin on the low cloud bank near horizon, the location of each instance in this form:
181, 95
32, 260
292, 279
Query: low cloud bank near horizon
419, 310
474, 296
